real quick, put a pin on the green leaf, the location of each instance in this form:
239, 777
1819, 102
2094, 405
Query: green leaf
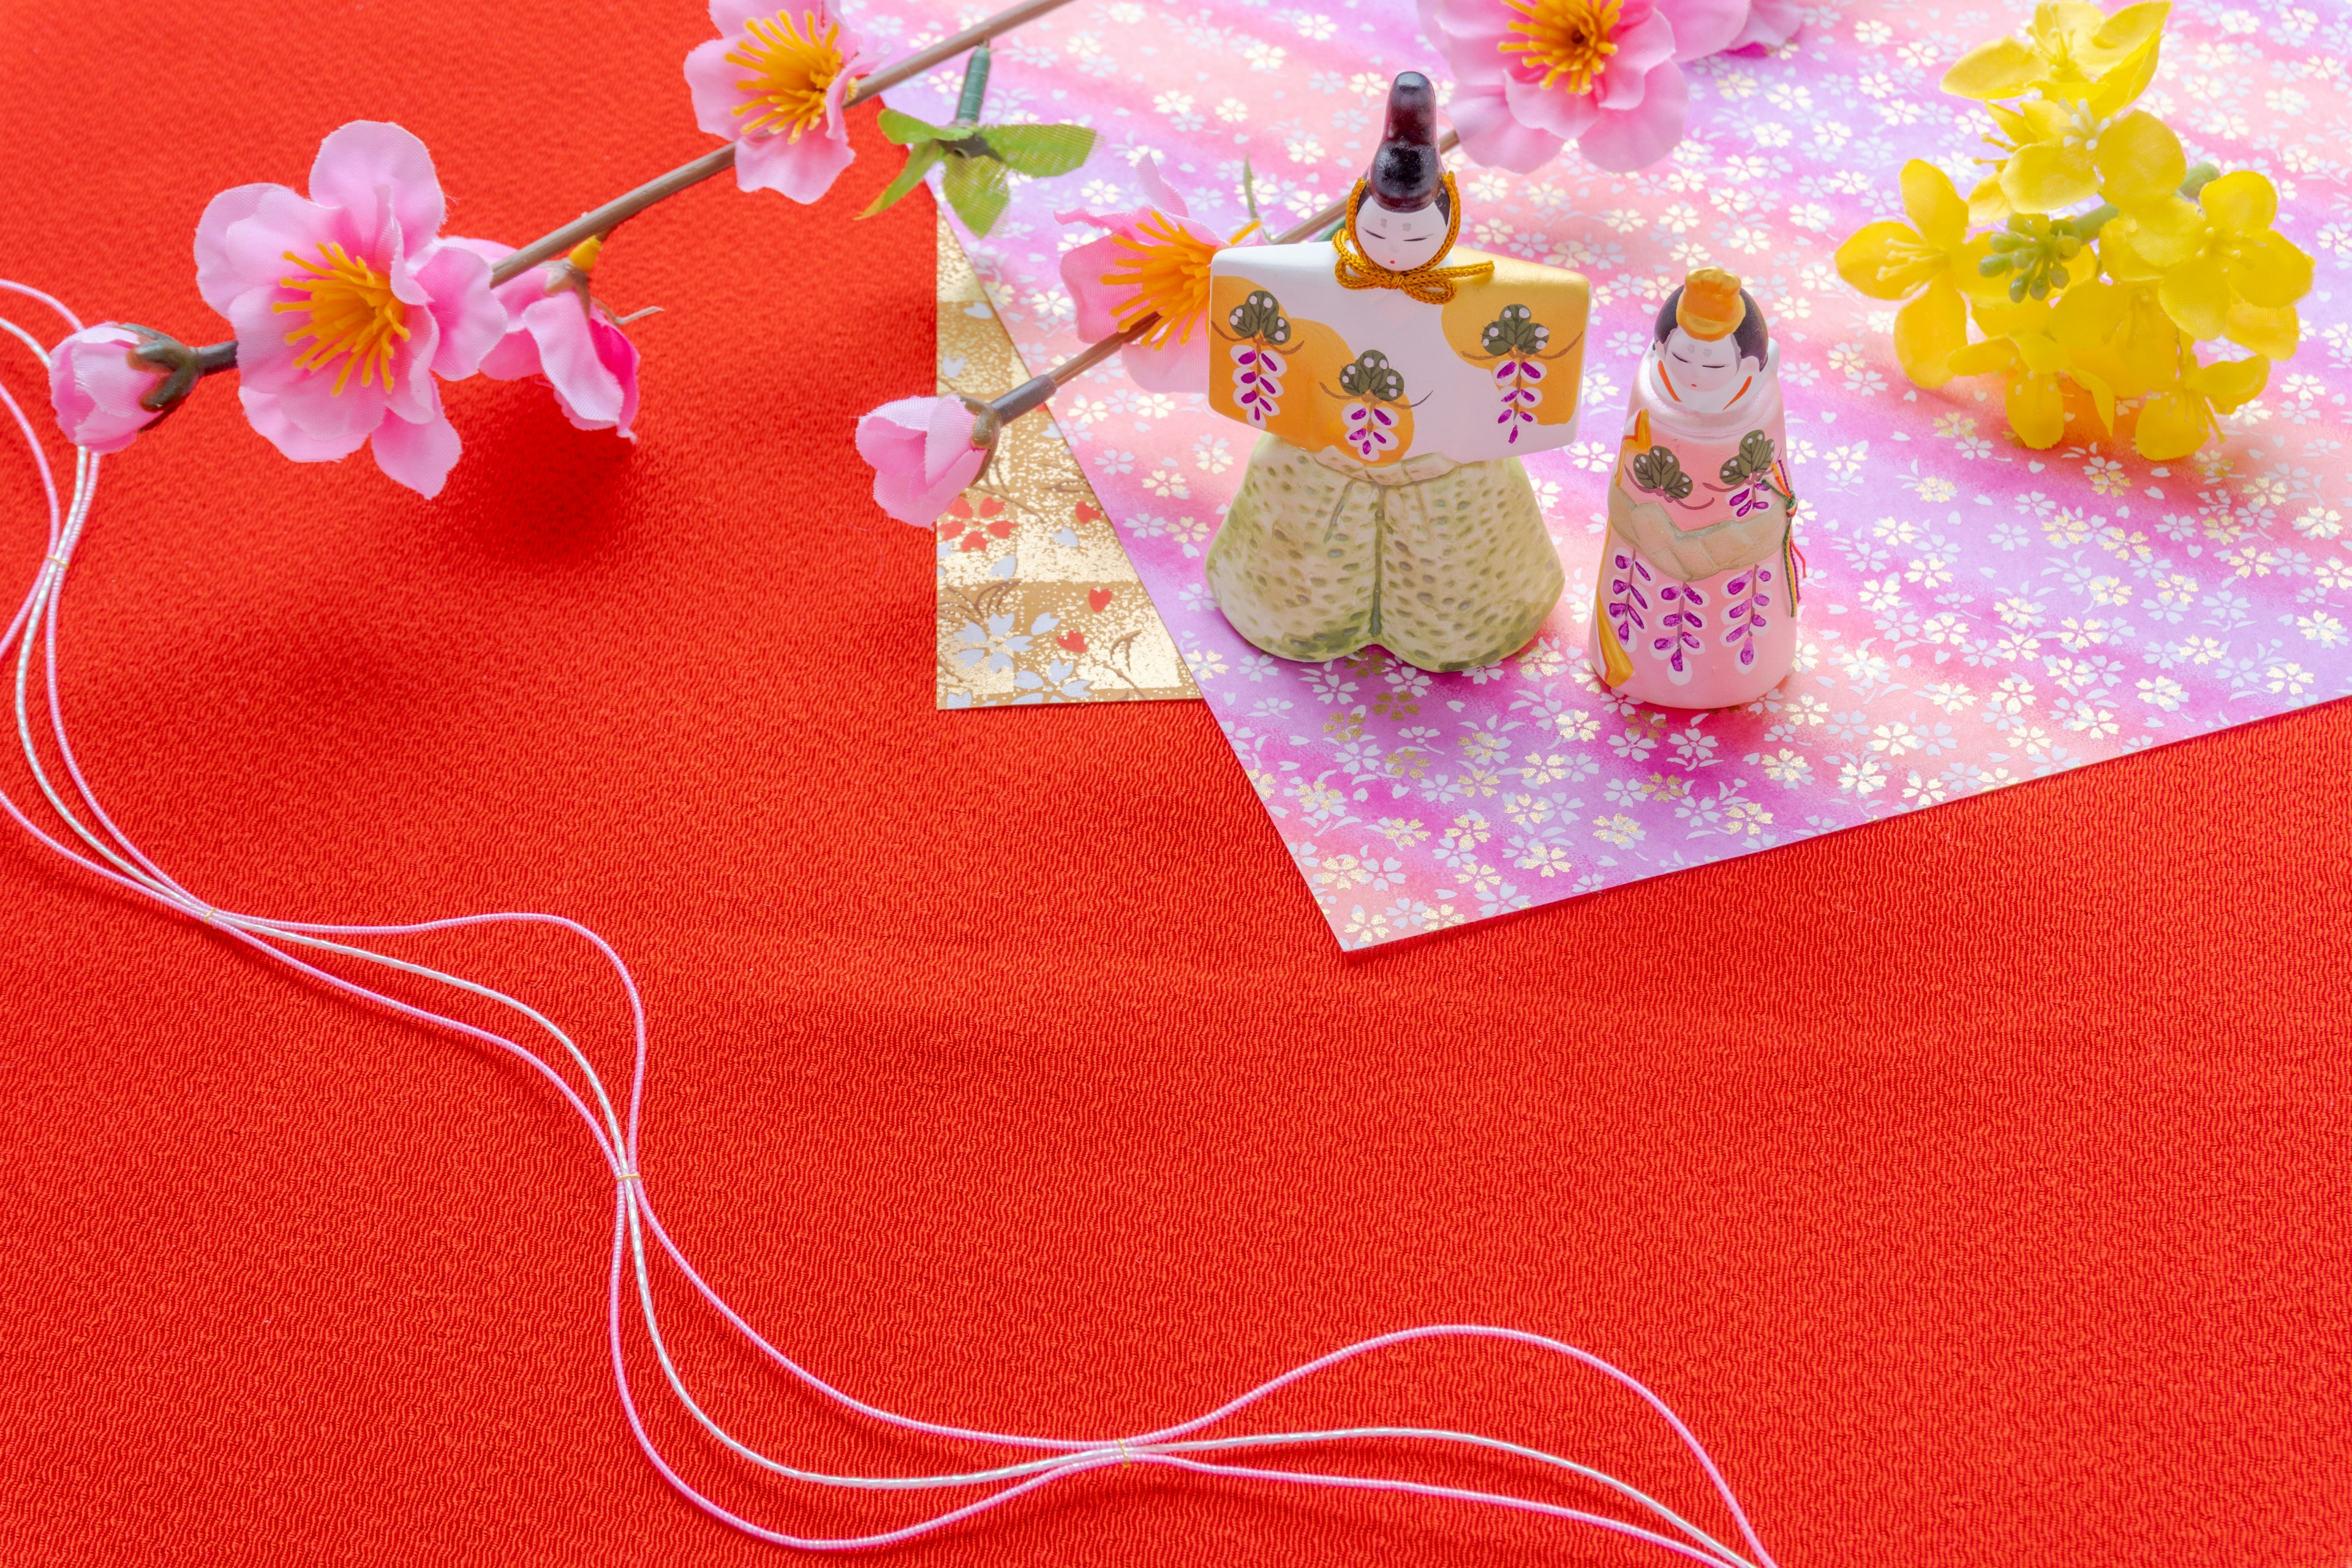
919, 162
905, 129
1039, 150
975, 188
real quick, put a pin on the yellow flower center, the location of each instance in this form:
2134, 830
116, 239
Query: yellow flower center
350, 314
1170, 273
1567, 38
793, 65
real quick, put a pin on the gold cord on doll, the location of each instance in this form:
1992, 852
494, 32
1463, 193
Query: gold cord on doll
1429, 283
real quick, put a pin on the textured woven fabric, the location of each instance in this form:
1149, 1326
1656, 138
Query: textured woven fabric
1973, 1182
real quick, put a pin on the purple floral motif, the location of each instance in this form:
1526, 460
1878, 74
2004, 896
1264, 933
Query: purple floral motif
1257, 381
1258, 331
1518, 340
1681, 627
1371, 430
1626, 600
1743, 612
1376, 385
1518, 377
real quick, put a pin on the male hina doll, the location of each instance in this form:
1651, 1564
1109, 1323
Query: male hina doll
1395, 381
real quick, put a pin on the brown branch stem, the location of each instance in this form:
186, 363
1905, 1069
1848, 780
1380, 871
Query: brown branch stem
1032, 394
216, 357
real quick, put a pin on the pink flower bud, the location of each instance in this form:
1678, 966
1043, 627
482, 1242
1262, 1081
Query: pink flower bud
924, 451
95, 384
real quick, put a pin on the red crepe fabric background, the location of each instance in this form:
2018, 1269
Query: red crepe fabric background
1974, 1183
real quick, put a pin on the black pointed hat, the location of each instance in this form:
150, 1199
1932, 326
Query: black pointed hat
1404, 176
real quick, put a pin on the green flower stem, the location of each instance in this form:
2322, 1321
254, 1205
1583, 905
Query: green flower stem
214, 358
2037, 257
975, 88
1031, 395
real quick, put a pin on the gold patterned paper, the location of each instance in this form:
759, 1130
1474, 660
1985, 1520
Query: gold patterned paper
1037, 602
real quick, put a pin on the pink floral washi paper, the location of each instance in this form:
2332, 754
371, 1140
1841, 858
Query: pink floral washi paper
1976, 614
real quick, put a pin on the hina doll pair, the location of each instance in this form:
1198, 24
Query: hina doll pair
1396, 380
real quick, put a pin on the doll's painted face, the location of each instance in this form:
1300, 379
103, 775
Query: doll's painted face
1400, 241
1707, 366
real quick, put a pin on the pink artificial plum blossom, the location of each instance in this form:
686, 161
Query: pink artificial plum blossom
348, 304
1531, 76
554, 329
1771, 24
773, 83
95, 386
922, 455
1152, 260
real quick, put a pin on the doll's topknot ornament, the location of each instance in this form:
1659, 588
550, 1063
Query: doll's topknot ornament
1712, 306
1405, 175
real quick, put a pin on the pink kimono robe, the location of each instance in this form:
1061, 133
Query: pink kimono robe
1695, 606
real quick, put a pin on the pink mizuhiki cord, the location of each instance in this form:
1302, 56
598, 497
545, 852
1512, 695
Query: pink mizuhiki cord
115, 857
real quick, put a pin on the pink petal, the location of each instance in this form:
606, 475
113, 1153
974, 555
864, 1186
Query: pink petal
1553, 110
1641, 48
1469, 34
268, 416
515, 294
457, 281
249, 252
893, 434
516, 356
74, 404
418, 455
1082, 274
619, 357
1490, 135
732, 17
710, 77
369, 162
115, 381
414, 396
803, 169
1771, 24
1155, 185
220, 276
1623, 143
946, 436
1178, 367
573, 358
264, 358
1702, 28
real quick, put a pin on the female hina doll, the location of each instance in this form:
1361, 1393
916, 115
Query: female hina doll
1696, 601
1394, 381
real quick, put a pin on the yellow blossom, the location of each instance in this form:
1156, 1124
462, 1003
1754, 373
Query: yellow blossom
1932, 258
2070, 50
2019, 345
2118, 334
2178, 423
2243, 273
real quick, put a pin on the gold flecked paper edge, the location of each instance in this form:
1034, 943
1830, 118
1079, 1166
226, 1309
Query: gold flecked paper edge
1037, 602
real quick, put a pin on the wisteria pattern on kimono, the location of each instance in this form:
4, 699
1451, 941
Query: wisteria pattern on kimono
1259, 334
1378, 419
1975, 614
1516, 341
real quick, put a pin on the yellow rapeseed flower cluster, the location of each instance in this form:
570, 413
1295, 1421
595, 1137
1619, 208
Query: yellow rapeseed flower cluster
2100, 257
